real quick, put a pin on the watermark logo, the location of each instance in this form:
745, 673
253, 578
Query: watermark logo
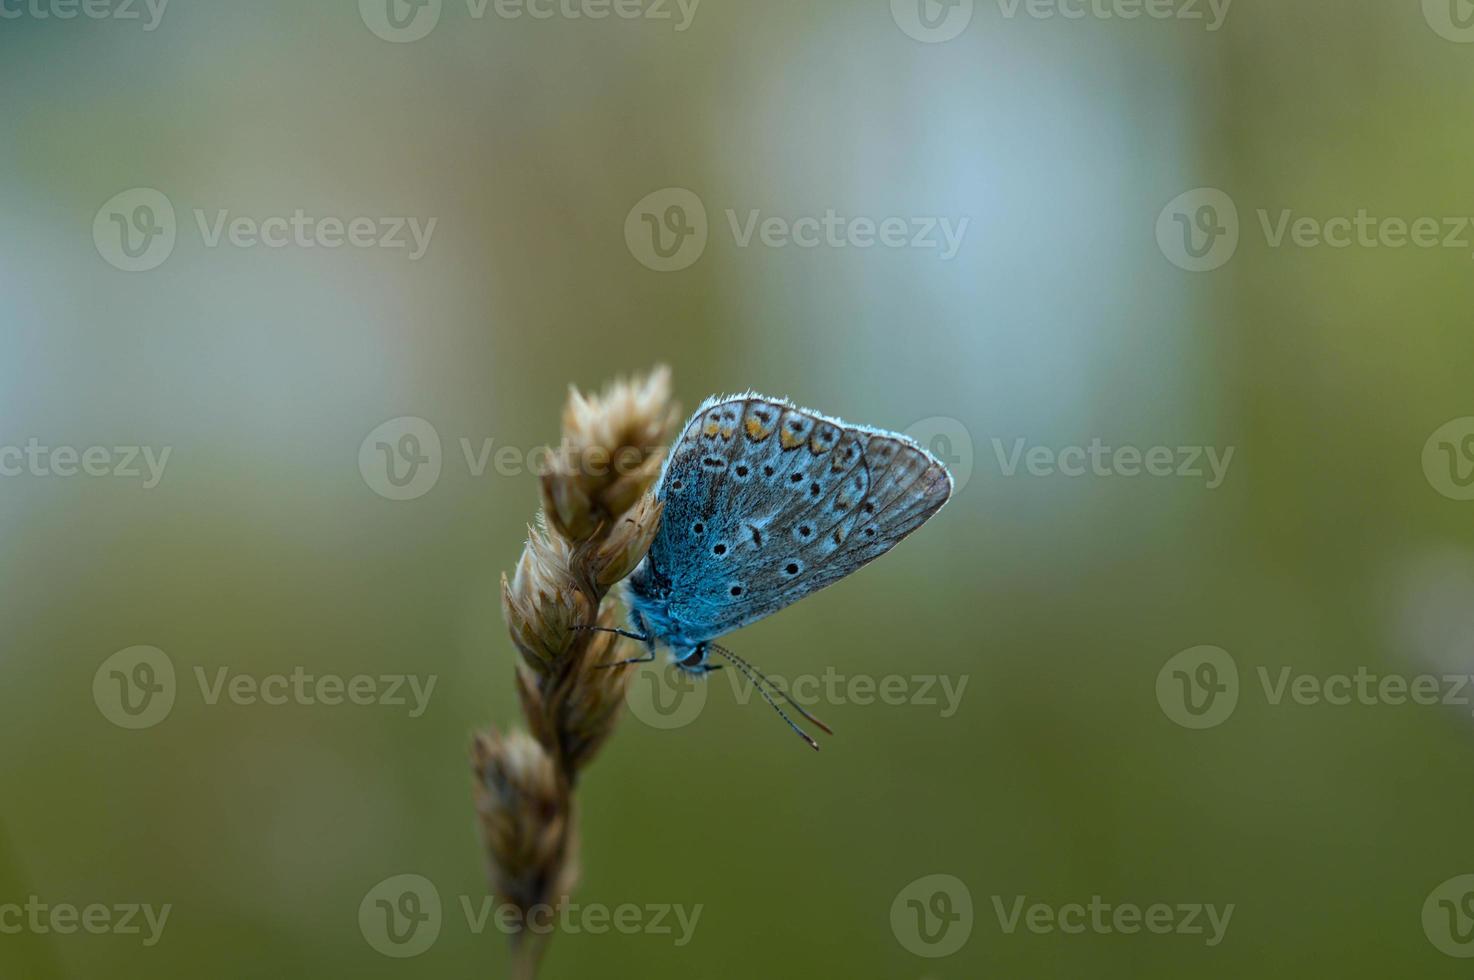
134, 688
1448, 459
400, 21
667, 230
1199, 687
1448, 917
664, 696
400, 459
135, 230
932, 916
1452, 20
949, 441
932, 21
401, 915
1198, 230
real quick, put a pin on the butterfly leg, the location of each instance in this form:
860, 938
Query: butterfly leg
650, 655
649, 652
617, 632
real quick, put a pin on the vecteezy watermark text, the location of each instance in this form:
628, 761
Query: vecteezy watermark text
311, 231
1199, 230
667, 230
1200, 688
933, 917
42, 918
1105, 918
306, 688
126, 10
402, 21
664, 696
680, 13
1100, 460
937, 21
1212, 12
402, 916
143, 463
833, 230
136, 230
402, 459
137, 687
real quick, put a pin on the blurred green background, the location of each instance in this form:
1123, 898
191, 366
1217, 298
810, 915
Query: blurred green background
1332, 544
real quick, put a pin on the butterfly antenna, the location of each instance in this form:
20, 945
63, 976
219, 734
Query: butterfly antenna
762, 684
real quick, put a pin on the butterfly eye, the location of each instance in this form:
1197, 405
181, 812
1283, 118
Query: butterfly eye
736, 590
720, 549
792, 568
676, 485
742, 471
768, 471
869, 507
804, 531
698, 528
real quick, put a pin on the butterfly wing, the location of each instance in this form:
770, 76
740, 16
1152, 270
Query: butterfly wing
766, 503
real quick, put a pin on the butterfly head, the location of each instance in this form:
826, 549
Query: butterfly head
693, 658
648, 621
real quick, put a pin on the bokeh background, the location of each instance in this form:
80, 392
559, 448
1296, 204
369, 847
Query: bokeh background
1333, 544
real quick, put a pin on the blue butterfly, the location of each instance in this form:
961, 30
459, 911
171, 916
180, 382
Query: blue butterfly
766, 503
